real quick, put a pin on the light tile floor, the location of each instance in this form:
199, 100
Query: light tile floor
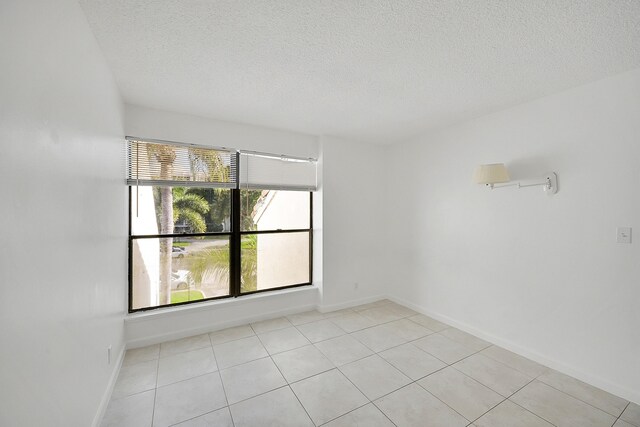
379, 364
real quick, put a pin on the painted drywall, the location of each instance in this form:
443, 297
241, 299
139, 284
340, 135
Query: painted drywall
541, 275
63, 209
170, 126
354, 222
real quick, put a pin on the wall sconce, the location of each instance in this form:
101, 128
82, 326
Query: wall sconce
497, 173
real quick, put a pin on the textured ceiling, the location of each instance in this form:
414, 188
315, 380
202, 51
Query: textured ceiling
371, 70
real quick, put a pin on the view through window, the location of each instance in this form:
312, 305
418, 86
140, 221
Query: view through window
200, 240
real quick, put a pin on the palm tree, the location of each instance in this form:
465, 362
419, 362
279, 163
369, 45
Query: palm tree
219, 200
165, 155
204, 163
207, 165
190, 208
213, 264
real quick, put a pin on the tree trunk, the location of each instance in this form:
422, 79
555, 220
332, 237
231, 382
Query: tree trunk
166, 227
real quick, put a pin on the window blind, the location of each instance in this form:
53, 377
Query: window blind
162, 163
272, 172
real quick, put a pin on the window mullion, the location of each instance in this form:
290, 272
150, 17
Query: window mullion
310, 237
235, 245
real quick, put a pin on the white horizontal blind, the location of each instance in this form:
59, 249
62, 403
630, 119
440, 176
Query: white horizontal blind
161, 163
271, 172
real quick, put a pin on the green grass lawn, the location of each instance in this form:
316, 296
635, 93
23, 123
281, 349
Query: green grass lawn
183, 296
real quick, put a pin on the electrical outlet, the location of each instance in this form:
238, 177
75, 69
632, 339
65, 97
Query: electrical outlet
109, 354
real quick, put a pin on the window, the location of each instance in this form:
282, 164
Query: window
197, 232
180, 253
276, 235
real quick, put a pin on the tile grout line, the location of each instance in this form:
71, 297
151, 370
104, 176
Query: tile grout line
361, 392
504, 364
510, 367
310, 343
625, 408
444, 367
213, 410
335, 366
223, 387
505, 398
155, 392
516, 403
338, 368
358, 388
256, 333
519, 370
257, 395
384, 323
208, 373
448, 365
218, 370
509, 399
577, 398
231, 340
444, 403
224, 390
287, 382
372, 402
383, 413
412, 381
292, 391
528, 410
346, 413
381, 324
206, 413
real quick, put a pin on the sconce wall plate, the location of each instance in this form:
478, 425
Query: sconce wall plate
552, 183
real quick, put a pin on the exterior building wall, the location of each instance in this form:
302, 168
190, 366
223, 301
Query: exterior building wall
283, 259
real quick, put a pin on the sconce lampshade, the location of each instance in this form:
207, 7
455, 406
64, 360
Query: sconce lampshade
491, 174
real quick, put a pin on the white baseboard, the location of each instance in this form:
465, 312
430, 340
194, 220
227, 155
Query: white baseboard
212, 327
106, 397
348, 304
565, 368
147, 328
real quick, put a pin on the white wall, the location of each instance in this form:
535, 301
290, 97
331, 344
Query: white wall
149, 123
355, 222
541, 275
63, 211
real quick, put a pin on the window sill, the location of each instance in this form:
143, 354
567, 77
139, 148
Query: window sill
228, 302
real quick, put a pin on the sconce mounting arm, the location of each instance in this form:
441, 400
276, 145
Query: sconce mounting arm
550, 184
